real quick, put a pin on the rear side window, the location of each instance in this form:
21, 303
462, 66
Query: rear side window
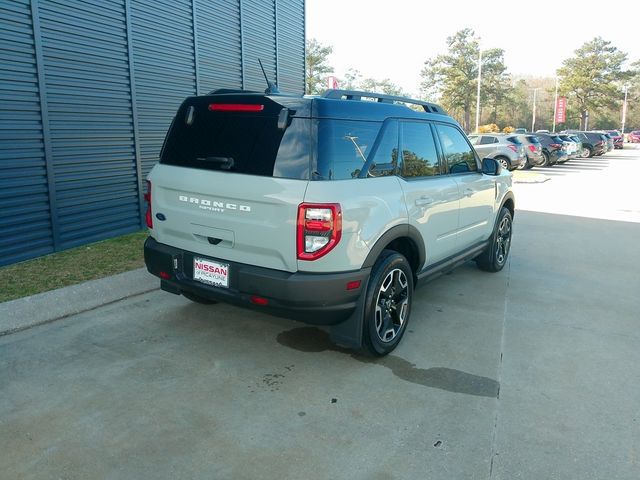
419, 154
458, 154
245, 143
485, 140
343, 147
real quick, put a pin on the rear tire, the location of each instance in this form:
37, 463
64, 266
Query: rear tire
198, 299
494, 257
587, 152
504, 162
545, 160
387, 303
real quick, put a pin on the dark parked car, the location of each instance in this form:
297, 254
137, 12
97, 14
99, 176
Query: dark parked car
618, 141
592, 143
553, 149
506, 148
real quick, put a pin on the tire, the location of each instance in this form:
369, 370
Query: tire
387, 303
504, 162
586, 152
494, 257
528, 165
545, 160
198, 299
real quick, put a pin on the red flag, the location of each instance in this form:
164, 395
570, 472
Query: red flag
332, 82
561, 110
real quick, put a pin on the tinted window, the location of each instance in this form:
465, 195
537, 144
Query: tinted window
419, 154
249, 144
515, 140
458, 154
487, 140
343, 147
533, 139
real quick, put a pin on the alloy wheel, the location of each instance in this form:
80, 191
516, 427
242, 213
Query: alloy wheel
503, 240
392, 305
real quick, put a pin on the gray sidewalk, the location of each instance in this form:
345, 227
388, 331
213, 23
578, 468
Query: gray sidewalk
45, 307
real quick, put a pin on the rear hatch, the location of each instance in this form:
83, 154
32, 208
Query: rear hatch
232, 172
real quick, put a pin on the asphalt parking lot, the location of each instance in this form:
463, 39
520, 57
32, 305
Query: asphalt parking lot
532, 373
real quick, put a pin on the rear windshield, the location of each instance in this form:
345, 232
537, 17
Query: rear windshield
533, 139
515, 140
240, 142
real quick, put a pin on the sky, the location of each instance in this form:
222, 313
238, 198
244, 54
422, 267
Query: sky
392, 39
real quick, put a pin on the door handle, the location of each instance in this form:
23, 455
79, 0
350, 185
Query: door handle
468, 192
424, 200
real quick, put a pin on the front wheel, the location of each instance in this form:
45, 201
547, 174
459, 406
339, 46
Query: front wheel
387, 303
545, 160
586, 152
494, 257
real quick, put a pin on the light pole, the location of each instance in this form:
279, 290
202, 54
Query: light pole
533, 119
555, 107
478, 94
624, 109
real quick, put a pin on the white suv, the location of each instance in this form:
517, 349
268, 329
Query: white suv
325, 209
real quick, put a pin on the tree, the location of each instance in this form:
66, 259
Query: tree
452, 77
316, 66
381, 86
592, 78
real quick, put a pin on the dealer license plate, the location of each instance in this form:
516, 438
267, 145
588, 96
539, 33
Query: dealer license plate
211, 273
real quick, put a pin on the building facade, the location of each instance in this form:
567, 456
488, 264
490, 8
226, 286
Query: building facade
88, 89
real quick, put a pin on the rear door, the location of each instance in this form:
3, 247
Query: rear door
232, 173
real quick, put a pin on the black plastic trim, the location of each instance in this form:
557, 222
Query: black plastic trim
315, 298
452, 262
399, 231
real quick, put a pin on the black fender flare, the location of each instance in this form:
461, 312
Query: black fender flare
399, 231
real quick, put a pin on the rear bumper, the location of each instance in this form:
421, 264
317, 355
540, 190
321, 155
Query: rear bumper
321, 299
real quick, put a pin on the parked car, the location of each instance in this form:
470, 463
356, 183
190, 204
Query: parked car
553, 149
618, 141
506, 148
533, 150
325, 209
634, 136
572, 147
592, 142
609, 142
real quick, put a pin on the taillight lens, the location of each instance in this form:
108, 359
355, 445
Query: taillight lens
147, 199
555, 145
319, 229
532, 148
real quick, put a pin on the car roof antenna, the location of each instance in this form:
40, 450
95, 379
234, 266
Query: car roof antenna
272, 88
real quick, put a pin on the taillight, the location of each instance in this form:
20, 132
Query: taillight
532, 148
513, 147
319, 229
235, 107
555, 145
147, 198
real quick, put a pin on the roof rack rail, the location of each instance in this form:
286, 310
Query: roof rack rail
382, 98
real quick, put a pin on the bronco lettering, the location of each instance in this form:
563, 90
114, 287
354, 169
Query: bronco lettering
213, 205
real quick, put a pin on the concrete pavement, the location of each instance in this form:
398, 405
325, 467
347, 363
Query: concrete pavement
530, 373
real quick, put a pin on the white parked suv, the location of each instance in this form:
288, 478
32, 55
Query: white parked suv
325, 209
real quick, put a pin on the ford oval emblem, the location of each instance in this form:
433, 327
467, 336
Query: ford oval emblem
161, 217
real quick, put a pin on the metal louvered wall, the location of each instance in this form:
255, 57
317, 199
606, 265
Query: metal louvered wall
88, 89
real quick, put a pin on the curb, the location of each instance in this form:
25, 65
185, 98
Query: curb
27, 312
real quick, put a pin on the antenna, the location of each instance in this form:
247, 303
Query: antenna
272, 88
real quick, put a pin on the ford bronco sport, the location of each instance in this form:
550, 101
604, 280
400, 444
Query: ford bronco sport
324, 209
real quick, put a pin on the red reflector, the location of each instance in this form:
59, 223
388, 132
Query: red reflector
165, 275
235, 107
353, 285
256, 300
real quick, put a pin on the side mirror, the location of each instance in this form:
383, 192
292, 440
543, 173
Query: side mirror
490, 166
